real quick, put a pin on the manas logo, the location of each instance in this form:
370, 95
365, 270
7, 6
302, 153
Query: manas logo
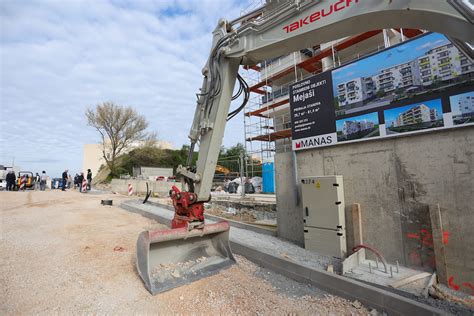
315, 141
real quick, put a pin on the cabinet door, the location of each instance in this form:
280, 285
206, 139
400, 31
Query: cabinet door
323, 202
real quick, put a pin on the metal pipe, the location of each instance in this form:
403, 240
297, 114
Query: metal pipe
375, 251
242, 184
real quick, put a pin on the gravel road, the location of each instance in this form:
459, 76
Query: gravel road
62, 252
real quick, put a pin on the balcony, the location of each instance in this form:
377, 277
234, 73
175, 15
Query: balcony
443, 54
351, 85
424, 62
282, 63
385, 80
385, 75
445, 70
276, 93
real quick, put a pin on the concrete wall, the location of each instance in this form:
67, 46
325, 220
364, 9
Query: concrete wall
397, 181
92, 158
92, 155
139, 186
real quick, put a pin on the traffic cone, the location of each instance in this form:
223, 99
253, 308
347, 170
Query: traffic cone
84, 186
130, 189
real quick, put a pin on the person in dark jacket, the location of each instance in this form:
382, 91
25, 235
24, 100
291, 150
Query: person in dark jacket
79, 180
11, 178
64, 180
76, 180
89, 179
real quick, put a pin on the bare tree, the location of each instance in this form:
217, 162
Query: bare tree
119, 127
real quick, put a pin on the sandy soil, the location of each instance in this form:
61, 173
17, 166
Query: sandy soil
62, 252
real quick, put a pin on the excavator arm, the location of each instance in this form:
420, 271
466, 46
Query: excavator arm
278, 28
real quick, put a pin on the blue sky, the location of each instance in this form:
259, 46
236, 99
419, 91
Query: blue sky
372, 117
60, 57
391, 115
391, 57
453, 100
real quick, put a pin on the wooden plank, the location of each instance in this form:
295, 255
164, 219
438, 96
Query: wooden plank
357, 224
410, 279
438, 244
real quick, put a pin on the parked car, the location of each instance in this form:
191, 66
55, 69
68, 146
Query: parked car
56, 183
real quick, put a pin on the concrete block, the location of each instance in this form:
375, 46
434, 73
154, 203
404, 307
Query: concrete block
353, 261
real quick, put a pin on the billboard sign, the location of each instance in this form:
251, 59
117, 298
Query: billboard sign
421, 84
312, 112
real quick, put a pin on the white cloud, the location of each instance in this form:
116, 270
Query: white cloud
58, 58
430, 45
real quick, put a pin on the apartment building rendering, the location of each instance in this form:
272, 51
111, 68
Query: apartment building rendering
352, 127
355, 91
466, 105
417, 114
441, 63
403, 75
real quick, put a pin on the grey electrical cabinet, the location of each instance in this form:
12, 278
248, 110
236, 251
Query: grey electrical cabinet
323, 213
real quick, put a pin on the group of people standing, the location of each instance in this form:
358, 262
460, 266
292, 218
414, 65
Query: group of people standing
78, 180
39, 180
10, 178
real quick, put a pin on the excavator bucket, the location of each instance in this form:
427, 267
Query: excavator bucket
170, 258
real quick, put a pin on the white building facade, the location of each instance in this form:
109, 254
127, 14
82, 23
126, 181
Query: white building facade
415, 115
466, 105
355, 91
443, 63
403, 75
351, 127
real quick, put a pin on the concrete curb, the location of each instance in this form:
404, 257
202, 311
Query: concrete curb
159, 219
379, 299
374, 297
246, 226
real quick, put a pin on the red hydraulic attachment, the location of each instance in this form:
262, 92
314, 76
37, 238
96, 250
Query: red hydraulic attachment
186, 209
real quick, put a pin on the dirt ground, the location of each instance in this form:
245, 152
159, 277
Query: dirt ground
62, 252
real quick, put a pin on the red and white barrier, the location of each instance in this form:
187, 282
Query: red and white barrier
130, 189
23, 182
84, 186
